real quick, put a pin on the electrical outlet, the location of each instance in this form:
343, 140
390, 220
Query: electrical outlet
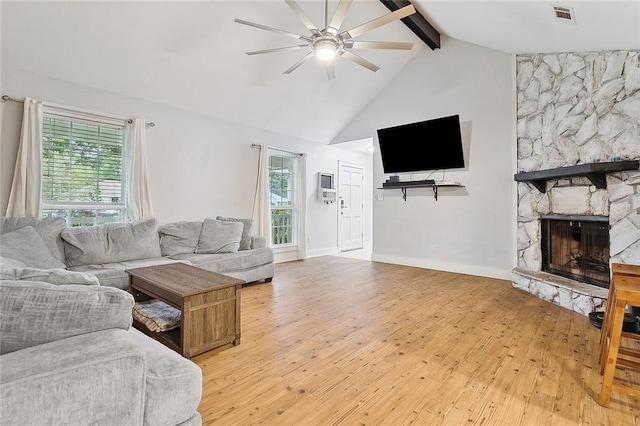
433, 248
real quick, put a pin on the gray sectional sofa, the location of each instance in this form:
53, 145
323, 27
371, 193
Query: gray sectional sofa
70, 356
68, 353
223, 245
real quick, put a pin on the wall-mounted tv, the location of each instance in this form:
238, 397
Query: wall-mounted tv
426, 145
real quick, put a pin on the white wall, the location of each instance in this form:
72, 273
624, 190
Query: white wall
467, 230
199, 166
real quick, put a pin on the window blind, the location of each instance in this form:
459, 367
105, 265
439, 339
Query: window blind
82, 169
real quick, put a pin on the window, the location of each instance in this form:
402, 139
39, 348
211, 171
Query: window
82, 173
281, 188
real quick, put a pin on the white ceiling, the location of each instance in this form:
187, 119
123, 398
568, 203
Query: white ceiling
530, 26
190, 55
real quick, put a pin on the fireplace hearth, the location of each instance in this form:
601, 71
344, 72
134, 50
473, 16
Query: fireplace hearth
576, 247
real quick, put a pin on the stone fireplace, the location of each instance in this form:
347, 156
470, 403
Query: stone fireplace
577, 109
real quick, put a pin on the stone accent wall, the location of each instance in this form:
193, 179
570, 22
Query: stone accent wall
577, 108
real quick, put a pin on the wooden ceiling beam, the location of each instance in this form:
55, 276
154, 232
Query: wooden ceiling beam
416, 23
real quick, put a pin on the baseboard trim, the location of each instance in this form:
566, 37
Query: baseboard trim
322, 252
330, 251
459, 268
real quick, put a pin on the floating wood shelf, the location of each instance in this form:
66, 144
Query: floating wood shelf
416, 184
595, 172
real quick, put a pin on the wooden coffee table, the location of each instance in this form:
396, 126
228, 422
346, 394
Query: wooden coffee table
209, 303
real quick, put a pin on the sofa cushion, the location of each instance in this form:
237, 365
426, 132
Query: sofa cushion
49, 229
219, 236
179, 237
114, 275
259, 273
173, 384
113, 242
245, 239
223, 263
33, 313
51, 276
90, 379
26, 245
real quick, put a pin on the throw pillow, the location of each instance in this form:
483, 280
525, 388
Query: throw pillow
26, 245
49, 229
219, 236
179, 237
245, 240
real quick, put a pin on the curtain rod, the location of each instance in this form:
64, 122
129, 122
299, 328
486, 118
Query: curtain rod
7, 98
257, 146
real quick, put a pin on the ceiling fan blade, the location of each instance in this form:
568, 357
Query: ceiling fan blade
300, 62
303, 16
378, 22
275, 30
338, 16
352, 44
277, 49
360, 61
331, 72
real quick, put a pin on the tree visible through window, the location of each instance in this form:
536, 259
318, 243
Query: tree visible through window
281, 189
82, 178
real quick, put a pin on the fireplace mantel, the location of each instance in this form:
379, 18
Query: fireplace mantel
595, 172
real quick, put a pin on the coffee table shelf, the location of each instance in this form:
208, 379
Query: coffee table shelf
209, 304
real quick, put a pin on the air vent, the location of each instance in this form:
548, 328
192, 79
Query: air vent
564, 14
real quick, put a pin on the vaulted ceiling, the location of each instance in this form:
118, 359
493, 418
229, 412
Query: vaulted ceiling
191, 55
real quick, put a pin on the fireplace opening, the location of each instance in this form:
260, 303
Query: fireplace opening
577, 247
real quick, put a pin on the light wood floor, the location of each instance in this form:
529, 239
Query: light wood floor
345, 341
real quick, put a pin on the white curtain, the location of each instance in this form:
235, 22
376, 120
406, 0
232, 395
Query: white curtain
24, 199
301, 196
137, 179
262, 200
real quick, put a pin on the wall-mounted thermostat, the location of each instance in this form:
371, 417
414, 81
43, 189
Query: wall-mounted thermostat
326, 187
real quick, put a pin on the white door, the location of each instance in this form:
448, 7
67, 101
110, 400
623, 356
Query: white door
350, 206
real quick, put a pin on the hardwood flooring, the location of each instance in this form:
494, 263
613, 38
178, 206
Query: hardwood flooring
338, 341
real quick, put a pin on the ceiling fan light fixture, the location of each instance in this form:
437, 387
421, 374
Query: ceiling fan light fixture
326, 53
329, 42
326, 49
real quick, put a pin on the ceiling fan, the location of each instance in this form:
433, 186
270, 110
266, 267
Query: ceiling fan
328, 42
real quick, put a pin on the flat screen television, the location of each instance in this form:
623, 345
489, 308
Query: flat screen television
426, 145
